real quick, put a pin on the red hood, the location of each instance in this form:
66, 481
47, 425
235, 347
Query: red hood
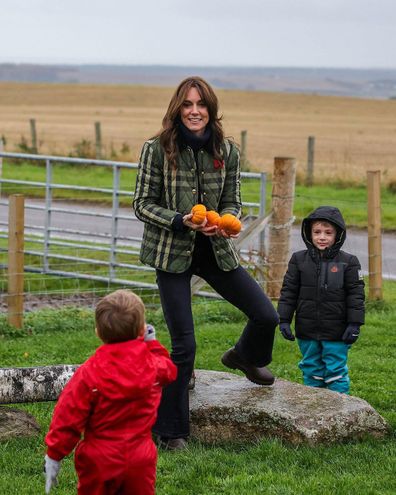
123, 369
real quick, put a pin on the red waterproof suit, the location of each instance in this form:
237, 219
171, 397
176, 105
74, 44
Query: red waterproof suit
113, 399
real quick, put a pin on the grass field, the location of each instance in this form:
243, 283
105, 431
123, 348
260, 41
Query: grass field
352, 135
268, 467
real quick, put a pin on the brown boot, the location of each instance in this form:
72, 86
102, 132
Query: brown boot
261, 376
191, 383
172, 443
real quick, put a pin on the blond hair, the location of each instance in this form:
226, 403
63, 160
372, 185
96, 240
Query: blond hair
119, 316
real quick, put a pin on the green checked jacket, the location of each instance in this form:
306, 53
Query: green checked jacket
162, 191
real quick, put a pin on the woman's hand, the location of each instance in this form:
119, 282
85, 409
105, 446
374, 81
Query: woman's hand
193, 226
223, 233
209, 231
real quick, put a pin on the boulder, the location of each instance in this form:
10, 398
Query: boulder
225, 407
17, 423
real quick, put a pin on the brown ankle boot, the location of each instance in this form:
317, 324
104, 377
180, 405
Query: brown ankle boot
172, 443
191, 383
259, 375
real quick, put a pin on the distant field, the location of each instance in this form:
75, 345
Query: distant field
352, 135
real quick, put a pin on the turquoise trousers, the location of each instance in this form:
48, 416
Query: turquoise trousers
324, 364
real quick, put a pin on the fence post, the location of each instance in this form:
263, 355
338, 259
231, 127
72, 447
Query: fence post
15, 259
48, 209
98, 141
283, 184
114, 222
374, 234
263, 197
310, 161
1, 162
33, 133
243, 150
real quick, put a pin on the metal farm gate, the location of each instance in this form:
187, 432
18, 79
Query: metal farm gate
109, 236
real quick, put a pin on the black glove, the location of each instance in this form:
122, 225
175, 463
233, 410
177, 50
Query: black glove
286, 331
351, 333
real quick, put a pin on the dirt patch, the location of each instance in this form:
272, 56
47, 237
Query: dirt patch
53, 301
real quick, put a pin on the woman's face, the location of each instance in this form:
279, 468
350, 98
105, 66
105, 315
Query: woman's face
194, 113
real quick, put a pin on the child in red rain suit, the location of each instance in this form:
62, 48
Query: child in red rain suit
112, 400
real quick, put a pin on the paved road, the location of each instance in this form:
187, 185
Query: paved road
132, 229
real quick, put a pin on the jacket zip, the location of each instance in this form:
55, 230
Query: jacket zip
318, 270
326, 264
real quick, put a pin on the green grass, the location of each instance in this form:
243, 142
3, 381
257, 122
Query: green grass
352, 199
266, 467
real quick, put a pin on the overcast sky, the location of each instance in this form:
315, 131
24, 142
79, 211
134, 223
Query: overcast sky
298, 33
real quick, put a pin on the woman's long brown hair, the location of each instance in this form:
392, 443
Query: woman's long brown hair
168, 134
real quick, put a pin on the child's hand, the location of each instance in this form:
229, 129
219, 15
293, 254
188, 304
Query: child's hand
286, 331
351, 333
51, 470
149, 333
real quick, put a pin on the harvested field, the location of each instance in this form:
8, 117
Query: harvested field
352, 135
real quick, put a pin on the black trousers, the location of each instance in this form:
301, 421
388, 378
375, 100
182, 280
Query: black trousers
254, 345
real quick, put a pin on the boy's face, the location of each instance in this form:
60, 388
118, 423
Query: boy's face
323, 235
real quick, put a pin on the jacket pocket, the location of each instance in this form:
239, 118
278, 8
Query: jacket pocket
335, 275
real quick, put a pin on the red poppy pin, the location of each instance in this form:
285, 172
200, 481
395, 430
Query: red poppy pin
334, 269
218, 163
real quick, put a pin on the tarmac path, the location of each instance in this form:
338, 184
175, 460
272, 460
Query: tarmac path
130, 228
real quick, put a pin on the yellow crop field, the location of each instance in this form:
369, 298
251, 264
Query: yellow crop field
352, 135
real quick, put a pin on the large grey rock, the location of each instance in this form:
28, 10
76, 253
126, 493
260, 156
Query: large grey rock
225, 407
16, 423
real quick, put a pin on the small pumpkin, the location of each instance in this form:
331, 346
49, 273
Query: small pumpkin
199, 214
212, 217
230, 224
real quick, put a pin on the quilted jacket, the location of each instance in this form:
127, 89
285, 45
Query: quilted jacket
163, 191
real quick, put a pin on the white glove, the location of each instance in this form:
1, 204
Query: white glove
149, 333
51, 469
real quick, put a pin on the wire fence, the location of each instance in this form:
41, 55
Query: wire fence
76, 251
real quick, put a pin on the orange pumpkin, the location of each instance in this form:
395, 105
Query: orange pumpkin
212, 217
199, 214
230, 224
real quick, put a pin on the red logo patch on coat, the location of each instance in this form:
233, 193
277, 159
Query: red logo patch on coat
334, 269
218, 163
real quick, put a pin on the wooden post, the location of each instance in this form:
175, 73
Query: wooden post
98, 141
33, 134
283, 184
243, 150
310, 161
374, 234
263, 197
15, 259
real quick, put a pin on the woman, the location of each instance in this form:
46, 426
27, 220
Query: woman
191, 162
